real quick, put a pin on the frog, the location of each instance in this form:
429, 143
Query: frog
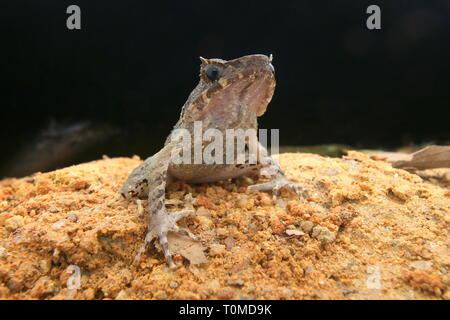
230, 94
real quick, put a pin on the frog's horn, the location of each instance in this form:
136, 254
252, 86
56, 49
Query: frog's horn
204, 61
270, 57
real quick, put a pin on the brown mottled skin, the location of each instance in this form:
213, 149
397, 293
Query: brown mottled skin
230, 95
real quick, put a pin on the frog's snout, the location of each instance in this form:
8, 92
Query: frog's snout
271, 68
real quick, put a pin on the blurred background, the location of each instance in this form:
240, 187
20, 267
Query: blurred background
116, 86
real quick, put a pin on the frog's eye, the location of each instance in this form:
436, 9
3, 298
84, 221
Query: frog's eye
212, 72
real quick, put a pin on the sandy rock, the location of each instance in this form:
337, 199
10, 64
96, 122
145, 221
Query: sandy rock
363, 224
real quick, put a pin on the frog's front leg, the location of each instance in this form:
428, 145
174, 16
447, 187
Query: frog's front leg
155, 174
278, 178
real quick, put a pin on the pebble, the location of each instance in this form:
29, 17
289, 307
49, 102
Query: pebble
122, 295
44, 286
265, 200
212, 285
205, 223
236, 283
281, 203
277, 226
217, 250
53, 209
307, 226
322, 234
286, 292
72, 217
245, 203
14, 223
296, 233
331, 172
229, 242
421, 265
45, 265
189, 198
202, 212
309, 270
57, 225
89, 294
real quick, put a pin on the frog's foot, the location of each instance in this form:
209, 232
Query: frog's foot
276, 185
160, 224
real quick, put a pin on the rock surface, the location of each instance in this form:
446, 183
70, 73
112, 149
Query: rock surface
365, 231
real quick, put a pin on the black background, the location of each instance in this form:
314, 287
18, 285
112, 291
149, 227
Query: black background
117, 85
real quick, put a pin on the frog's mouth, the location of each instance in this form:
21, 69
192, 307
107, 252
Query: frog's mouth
257, 94
248, 92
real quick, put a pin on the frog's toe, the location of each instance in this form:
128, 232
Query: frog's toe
148, 238
301, 192
160, 225
266, 186
180, 214
290, 185
165, 248
275, 187
188, 233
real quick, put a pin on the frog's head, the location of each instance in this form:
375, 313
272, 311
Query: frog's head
233, 89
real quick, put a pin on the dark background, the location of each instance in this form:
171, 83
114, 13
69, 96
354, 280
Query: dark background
117, 85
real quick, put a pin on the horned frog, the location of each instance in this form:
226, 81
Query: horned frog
230, 95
